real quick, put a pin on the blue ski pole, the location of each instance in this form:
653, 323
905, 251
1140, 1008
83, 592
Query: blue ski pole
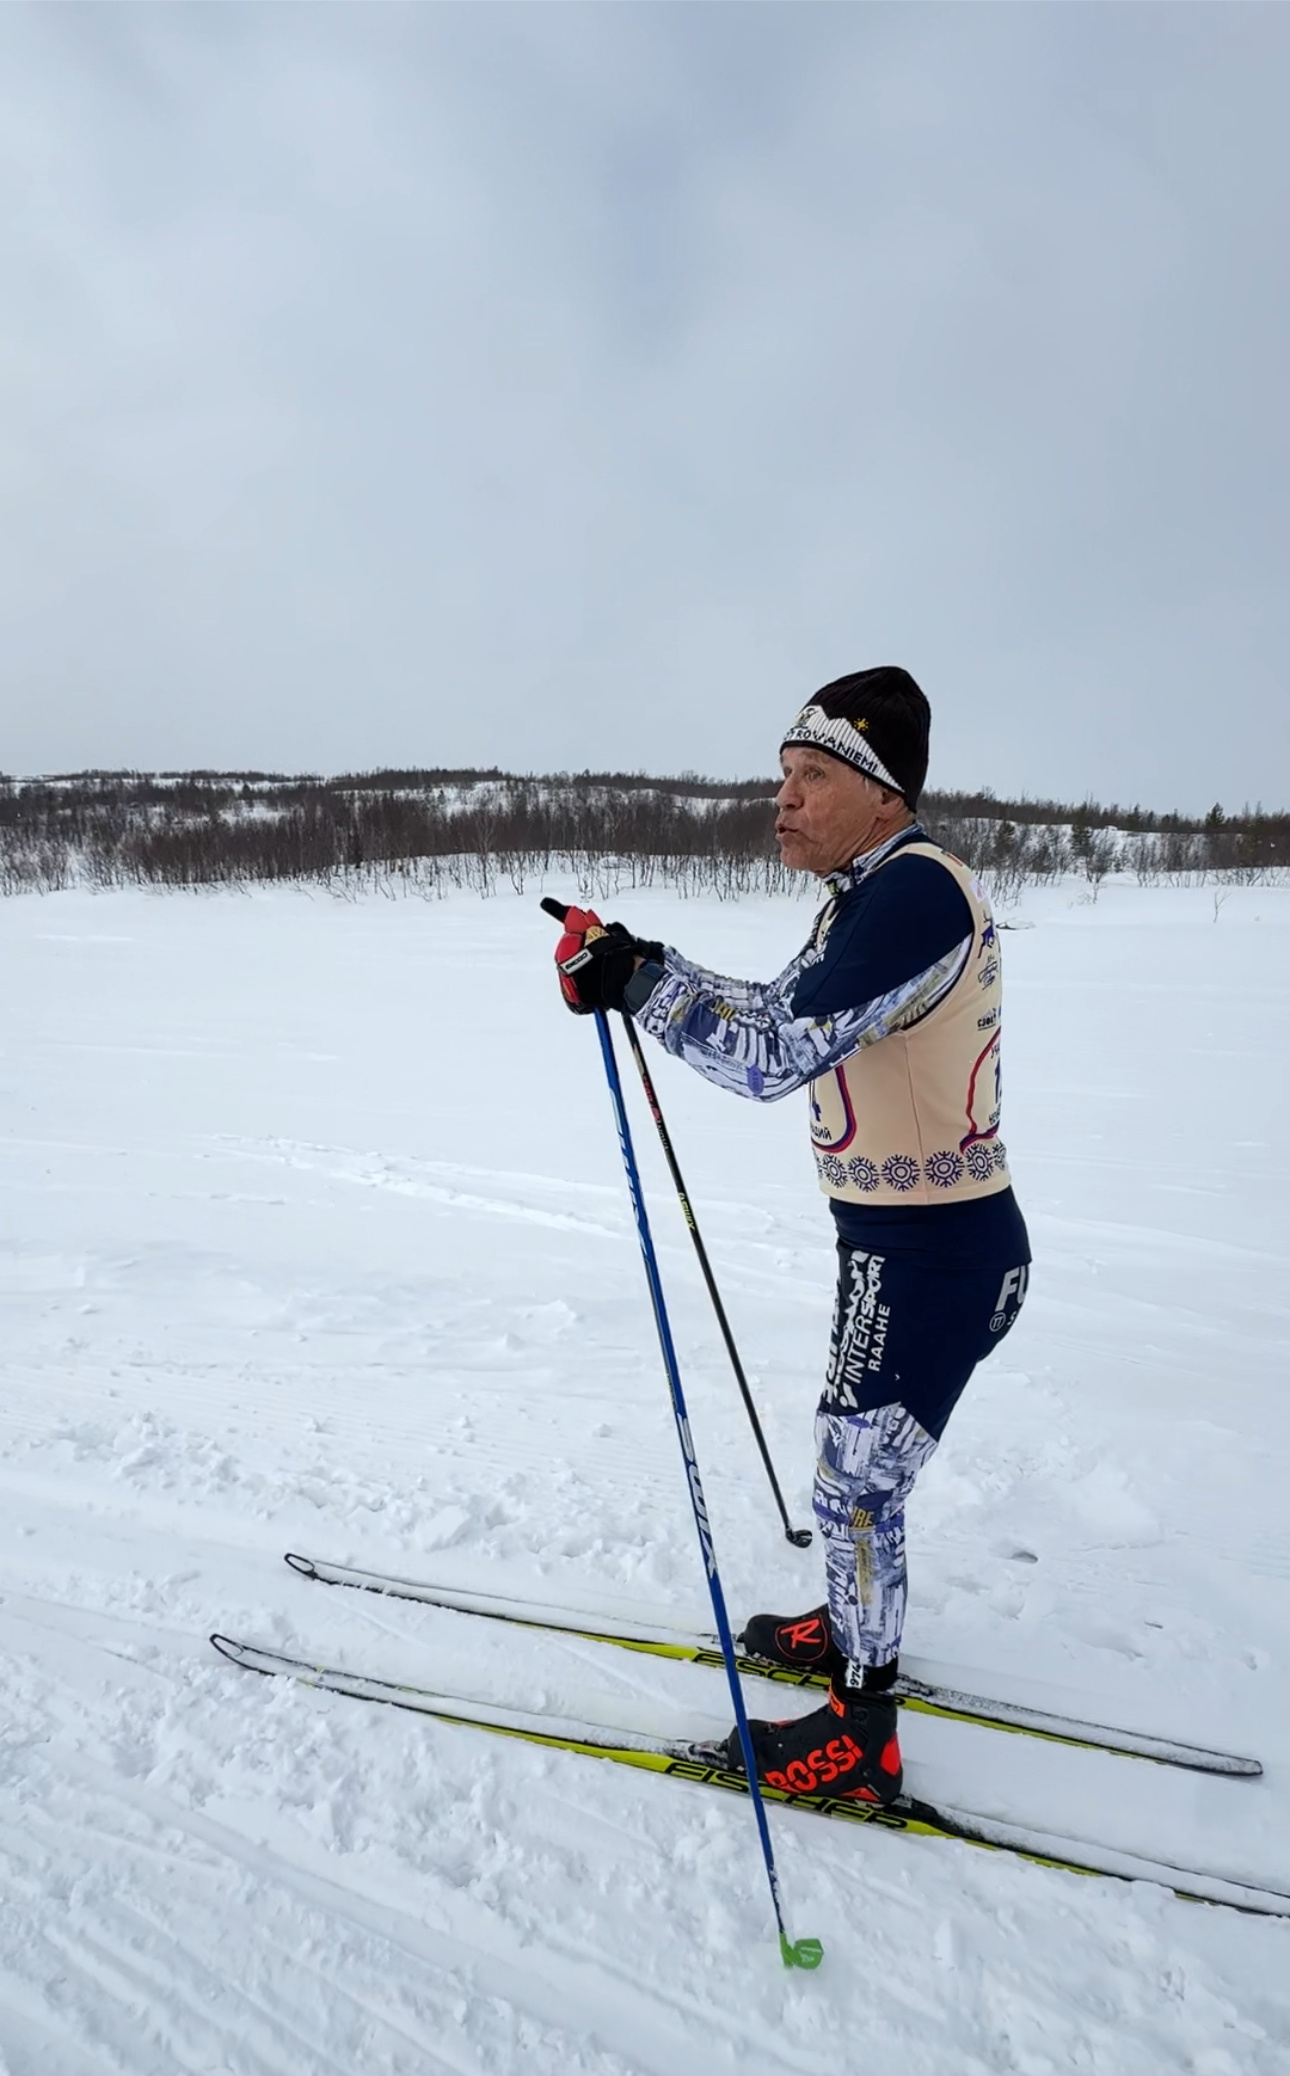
802, 1953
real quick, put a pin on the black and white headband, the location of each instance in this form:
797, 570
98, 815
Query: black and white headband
841, 738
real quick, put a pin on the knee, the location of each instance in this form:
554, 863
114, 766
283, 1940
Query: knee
854, 1517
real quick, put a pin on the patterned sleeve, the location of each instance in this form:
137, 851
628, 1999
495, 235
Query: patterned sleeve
743, 1035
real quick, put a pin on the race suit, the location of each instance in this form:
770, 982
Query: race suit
890, 1015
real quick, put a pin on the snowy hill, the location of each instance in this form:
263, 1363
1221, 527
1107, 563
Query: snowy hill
437, 831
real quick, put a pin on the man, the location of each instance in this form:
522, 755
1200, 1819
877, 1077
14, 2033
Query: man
889, 1017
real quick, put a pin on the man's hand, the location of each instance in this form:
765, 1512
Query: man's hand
596, 960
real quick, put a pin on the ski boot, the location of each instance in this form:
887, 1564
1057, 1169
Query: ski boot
802, 1643
848, 1749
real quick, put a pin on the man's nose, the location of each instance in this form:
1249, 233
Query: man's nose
786, 791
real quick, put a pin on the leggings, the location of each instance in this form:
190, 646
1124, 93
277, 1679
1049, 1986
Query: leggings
907, 1334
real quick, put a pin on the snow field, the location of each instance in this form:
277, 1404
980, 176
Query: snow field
313, 1235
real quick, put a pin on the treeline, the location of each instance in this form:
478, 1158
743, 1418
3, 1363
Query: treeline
439, 828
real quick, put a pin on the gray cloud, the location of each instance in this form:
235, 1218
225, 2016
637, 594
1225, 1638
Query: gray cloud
583, 385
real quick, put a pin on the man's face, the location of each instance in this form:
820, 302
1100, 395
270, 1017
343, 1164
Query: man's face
827, 813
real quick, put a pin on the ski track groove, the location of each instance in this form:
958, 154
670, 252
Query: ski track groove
165, 1972
261, 1862
395, 1930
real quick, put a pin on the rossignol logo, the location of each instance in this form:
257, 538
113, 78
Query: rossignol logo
820, 1768
803, 1637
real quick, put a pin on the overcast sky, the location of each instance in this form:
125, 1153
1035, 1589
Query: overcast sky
553, 386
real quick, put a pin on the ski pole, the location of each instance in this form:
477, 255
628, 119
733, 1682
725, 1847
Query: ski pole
800, 1537
801, 1953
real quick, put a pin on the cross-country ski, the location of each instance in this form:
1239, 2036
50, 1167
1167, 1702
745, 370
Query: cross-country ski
706, 1765
921, 1696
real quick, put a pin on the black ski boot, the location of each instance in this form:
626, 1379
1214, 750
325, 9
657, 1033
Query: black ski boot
848, 1749
802, 1643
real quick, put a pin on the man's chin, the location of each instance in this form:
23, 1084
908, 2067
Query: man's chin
791, 858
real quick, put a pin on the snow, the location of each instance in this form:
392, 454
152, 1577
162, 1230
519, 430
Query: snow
314, 1235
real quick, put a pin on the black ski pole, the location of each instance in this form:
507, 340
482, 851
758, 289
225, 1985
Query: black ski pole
799, 1537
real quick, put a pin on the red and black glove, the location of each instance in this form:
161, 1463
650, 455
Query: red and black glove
595, 960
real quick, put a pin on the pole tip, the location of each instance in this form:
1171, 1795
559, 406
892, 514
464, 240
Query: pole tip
800, 1538
800, 1953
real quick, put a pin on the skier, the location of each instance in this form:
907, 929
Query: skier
890, 1018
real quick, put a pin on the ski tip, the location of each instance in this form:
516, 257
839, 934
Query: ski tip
800, 1953
304, 1565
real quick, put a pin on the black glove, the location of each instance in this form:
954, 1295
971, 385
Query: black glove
596, 960
600, 971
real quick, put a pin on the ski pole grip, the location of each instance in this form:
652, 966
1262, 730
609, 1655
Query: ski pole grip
555, 908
